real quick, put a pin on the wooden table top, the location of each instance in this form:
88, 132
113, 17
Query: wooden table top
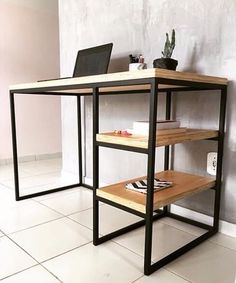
121, 76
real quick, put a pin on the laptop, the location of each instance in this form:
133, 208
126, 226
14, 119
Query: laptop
91, 61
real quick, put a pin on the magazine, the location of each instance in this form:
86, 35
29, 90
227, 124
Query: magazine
141, 185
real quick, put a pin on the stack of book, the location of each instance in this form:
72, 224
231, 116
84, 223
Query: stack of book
141, 185
162, 127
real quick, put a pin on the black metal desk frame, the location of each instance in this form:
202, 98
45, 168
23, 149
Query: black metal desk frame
148, 217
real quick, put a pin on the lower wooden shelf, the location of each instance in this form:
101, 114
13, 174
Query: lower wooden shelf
184, 185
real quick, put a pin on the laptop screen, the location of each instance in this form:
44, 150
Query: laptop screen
93, 61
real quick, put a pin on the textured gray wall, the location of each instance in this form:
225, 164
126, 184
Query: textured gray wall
206, 43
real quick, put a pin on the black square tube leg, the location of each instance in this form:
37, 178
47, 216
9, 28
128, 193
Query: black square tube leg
79, 139
14, 145
95, 166
220, 150
150, 176
167, 147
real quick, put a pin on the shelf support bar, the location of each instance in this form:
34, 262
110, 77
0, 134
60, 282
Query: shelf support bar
150, 174
168, 115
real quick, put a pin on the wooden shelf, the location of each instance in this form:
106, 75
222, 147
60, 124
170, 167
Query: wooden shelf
184, 185
142, 141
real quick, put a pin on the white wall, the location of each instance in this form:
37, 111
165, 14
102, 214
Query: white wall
29, 50
205, 43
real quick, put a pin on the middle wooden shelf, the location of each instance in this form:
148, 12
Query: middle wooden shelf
140, 141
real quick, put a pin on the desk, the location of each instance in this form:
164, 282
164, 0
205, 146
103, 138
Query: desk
151, 81
116, 83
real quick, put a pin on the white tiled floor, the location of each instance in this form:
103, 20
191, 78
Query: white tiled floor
48, 239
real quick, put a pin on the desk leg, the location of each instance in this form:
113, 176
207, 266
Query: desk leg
14, 145
220, 151
167, 147
80, 156
95, 166
150, 176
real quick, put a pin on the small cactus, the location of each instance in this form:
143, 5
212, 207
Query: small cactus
169, 45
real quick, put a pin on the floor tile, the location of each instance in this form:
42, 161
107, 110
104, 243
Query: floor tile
110, 218
41, 182
4, 189
224, 240
162, 276
51, 239
166, 239
212, 261
53, 195
15, 216
36, 274
206, 263
42, 166
191, 229
71, 203
7, 173
108, 262
5, 193
12, 258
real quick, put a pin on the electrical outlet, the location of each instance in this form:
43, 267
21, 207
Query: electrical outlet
211, 163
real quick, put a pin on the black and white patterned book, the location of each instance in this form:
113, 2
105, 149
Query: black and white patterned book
141, 185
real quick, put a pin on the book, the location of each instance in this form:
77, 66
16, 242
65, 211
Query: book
159, 132
141, 185
142, 127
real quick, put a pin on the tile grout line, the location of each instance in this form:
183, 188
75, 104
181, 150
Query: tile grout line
41, 263
38, 263
177, 228
7, 187
15, 273
221, 245
176, 274
182, 230
138, 278
47, 207
127, 248
25, 177
30, 176
67, 216
69, 193
75, 248
36, 225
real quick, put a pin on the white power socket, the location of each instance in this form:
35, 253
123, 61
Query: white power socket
211, 163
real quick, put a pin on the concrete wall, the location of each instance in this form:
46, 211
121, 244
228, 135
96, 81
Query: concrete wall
29, 51
205, 43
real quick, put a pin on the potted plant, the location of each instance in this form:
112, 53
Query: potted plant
166, 62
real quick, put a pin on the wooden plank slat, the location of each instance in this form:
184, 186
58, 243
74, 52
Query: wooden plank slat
142, 141
184, 185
